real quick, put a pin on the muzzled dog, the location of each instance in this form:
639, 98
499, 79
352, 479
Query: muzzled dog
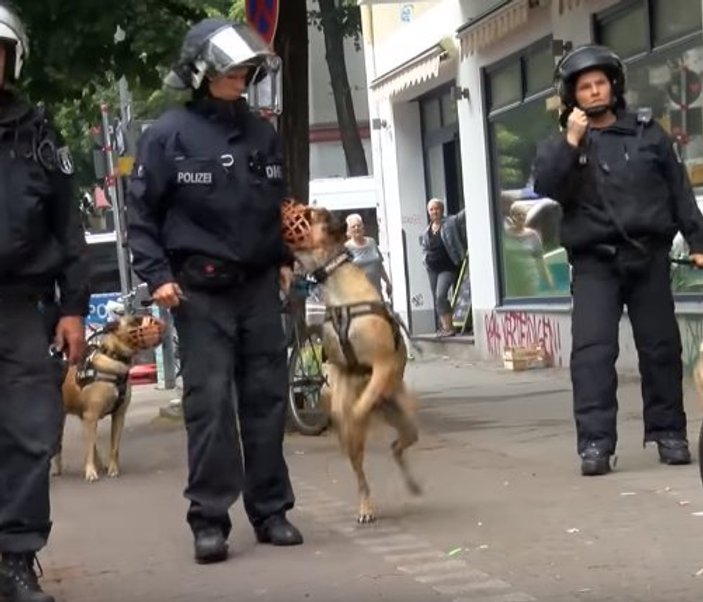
363, 345
99, 386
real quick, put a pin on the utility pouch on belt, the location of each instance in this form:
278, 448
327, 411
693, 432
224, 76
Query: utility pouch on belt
209, 273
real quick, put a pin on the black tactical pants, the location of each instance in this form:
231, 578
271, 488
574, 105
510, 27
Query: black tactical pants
30, 423
235, 382
600, 290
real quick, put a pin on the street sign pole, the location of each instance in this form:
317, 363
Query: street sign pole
114, 190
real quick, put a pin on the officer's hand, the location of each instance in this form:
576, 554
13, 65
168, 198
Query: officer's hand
697, 259
285, 278
168, 295
576, 127
70, 337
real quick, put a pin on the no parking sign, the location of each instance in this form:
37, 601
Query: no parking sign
262, 15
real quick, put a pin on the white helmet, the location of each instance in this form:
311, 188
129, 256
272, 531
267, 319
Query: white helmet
14, 35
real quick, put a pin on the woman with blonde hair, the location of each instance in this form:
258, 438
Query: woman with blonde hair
365, 253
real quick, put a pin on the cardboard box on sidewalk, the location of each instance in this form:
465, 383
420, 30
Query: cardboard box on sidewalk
529, 357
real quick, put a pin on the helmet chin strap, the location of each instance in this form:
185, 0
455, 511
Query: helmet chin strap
597, 111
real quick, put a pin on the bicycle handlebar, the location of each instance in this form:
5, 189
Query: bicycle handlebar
682, 260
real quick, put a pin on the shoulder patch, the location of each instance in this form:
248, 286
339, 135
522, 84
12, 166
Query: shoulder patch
644, 115
64, 160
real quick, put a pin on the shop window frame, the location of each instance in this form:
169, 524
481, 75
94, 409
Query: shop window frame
491, 151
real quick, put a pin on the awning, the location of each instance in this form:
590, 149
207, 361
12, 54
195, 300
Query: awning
490, 27
423, 67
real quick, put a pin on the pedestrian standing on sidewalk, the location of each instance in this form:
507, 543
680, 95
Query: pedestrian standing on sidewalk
42, 250
624, 193
366, 255
204, 228
443, 248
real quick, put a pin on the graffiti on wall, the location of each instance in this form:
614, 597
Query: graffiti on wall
520, 329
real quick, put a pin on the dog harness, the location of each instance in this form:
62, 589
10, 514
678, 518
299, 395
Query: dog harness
87, 373
341, 318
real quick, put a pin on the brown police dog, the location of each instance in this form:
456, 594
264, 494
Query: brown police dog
99, 385
365, 353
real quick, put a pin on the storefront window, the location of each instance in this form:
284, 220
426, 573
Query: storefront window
533, 263
674, 19
626, 31
669, 81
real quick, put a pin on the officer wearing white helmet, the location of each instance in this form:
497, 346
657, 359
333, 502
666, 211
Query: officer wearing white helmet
205, 233
625, 193
42, 251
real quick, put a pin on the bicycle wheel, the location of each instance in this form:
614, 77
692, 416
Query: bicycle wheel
306, 380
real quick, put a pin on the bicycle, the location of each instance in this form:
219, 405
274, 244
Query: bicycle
686, 261
305, 365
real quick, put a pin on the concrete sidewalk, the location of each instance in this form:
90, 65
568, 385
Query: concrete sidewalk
506, 517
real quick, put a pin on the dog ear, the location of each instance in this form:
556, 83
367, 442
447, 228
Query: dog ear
337, 228
112, 326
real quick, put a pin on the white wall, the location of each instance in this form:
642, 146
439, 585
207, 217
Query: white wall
327, 159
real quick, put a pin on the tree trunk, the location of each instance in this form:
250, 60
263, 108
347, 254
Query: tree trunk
336, 63
291, 44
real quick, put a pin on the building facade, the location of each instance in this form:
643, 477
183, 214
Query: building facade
460, 93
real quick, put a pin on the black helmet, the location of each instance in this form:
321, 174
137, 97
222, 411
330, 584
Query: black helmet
14, 36
588, 58
215, 46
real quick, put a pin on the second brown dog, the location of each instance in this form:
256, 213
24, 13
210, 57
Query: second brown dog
99, 386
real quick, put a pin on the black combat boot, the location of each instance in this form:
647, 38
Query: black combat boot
278, 531
210, 546
673, 450
18, 581
594, 461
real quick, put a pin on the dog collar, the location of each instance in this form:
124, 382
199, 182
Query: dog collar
323, 273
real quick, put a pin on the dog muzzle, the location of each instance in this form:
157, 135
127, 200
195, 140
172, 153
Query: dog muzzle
297, 228
148, 334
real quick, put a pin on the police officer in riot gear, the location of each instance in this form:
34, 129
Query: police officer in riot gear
43, 299
205, 233
624, 193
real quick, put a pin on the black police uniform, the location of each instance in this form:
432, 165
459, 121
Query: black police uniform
204, 210
624, 195
42, 244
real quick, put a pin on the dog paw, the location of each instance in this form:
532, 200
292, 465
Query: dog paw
366, 518
91, 475
113, 471
413, 487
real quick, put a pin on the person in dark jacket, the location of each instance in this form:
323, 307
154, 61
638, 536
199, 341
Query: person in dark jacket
444, 247
205, 232
43, 300
624, 193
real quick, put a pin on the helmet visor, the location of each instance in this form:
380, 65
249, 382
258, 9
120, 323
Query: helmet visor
230, 48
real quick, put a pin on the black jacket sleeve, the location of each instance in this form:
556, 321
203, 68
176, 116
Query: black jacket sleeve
145, 212
555, 169
688, 216
276, 154
74, 276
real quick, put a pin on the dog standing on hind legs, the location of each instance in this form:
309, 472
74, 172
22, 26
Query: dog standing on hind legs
99, 385
364, 349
